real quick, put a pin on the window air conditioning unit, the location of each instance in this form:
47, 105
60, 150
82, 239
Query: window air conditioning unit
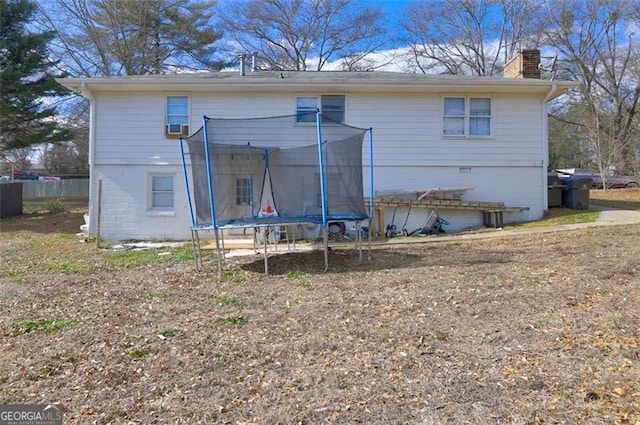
177, 129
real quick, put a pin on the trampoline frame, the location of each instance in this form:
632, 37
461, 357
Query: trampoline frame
255, 223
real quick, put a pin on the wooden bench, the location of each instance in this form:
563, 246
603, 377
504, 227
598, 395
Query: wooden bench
492, 212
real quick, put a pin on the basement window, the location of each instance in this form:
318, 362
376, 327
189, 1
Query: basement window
243, 191
161, 194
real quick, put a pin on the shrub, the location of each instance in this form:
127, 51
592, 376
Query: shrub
55, 205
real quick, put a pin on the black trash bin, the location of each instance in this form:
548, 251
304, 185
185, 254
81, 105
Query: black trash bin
555, 187
554, 195
10, 199
577, 194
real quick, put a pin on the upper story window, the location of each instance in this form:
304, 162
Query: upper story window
467, 116
161, 196
332, 108
177, 116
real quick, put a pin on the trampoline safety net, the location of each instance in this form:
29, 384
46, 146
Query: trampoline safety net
275, 170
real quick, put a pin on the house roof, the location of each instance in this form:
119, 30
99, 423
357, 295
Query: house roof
323, 80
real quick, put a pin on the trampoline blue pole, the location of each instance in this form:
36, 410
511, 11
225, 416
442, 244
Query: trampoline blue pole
209, 175
323, 192
186, 183
323, 189
371, 190
371, 193
253, 214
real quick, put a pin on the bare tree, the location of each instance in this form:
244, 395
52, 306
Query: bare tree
467, 37
122, 37
303, 35
566, 142
72, 156
64, 158
19, 159
132, 37
597, 47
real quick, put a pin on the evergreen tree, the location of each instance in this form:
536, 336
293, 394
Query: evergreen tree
27, 78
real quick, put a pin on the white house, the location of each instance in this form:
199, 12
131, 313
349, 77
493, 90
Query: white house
430, 131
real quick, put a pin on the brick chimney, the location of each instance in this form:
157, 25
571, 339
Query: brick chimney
525, 64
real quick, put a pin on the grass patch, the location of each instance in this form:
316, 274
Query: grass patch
130, 259
182, 254
63, 254
40, 325
136, 258
164, 296
223, 301
559, 216
62, 266
54, 205
138, 353
168, 333
234, 275
625, 199
617, 204
231, 320
59, 254
296, 274
209, 340
57, 363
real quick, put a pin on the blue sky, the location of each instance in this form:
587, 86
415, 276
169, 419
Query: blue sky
394, 7
393, 10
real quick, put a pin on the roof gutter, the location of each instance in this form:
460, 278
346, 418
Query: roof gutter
264, 81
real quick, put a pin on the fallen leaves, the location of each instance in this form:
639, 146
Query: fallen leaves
500, 331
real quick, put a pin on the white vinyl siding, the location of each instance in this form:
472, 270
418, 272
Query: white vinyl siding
408, 139
404, 138
409, 149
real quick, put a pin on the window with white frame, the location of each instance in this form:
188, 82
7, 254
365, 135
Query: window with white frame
332, 108
161, 192
177, 116
243, 191
467, 116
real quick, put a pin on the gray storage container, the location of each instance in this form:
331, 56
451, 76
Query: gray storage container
577, 194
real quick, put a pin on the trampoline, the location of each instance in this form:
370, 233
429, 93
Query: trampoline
275, 171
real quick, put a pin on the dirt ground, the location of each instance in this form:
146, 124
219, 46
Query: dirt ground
538, 329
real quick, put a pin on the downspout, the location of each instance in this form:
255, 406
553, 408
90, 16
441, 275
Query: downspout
86, 93
545, 146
